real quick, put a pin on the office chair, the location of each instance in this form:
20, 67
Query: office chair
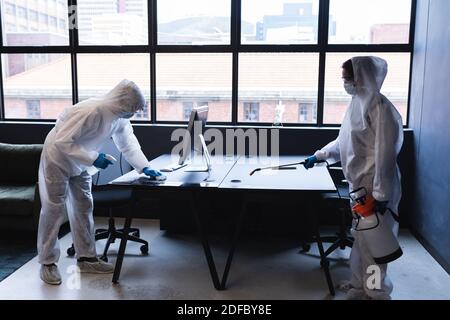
108, 197
340, 202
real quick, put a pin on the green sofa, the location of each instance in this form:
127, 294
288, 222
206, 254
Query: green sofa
19, 192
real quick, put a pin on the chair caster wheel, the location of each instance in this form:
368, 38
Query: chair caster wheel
104, 258
144, 249
305, 248
136, 234
71, 251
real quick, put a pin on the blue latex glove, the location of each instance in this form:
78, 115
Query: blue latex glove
151, 173
101, 162
310, 162
380, 206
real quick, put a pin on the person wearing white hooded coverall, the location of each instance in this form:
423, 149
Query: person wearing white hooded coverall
368, 144
70, 148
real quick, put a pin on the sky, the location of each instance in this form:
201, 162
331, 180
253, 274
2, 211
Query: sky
382, 11
255, 9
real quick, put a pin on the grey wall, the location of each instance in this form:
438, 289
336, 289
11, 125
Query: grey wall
430, 115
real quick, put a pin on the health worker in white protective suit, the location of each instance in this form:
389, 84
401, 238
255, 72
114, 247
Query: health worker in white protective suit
70, 148
368, 144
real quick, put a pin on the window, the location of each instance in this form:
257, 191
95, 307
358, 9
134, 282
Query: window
53, 22
305, 112
194, 22
279, 21
33, 15
10, 8
202, 77
122, 22
369, 22
278, 79
43, 18
99, 73
62, 24
22, 12
23, 98
11, 27
265, 62
395, 87
187, 109
33, 23
251, 111
33, 109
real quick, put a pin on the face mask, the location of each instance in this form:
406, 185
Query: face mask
350, 88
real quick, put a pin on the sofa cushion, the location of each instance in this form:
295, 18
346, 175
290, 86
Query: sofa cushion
16, 200
19, 163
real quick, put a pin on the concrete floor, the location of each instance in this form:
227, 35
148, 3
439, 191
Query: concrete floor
263, 269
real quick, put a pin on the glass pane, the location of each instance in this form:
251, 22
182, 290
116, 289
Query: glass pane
36, 86
99, 73
279, 21
278, 87
186, 80
369, 22
34, 23
395, 87
194, 22
119, 22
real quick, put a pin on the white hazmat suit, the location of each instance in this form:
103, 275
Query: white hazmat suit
368, 144
69, 149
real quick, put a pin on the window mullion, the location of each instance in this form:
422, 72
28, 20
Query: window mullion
73, 42
2, 100
235, 45
324, 8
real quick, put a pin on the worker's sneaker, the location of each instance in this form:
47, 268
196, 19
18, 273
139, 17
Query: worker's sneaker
50, 274
378, 295
356, 294
345, 286
96, 266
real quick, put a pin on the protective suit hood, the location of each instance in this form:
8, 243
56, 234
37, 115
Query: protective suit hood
124, 99
369, 74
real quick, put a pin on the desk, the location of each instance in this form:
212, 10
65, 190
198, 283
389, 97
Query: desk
231, 174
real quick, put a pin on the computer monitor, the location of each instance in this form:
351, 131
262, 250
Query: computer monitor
191, 139
196, 127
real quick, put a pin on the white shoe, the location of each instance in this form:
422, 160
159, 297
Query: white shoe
98, 266
50, 274
356, 294
345, 286
373, 295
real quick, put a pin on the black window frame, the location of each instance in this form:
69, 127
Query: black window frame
235, 48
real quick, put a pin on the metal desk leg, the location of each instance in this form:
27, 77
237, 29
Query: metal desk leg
123, 244
323, 258
205, 243
236, 236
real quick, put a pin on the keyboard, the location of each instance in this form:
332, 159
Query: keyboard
203, 168
173, 167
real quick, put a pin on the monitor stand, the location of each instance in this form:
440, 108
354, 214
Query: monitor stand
202, 168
